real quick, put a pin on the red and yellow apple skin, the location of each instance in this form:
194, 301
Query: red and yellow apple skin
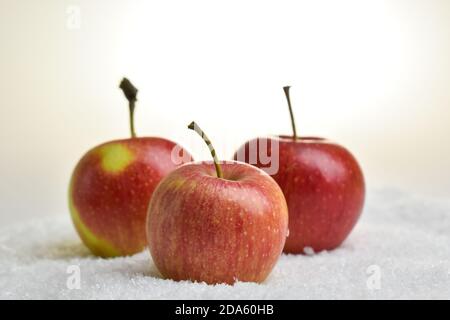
324, 189
217, 230
110, 190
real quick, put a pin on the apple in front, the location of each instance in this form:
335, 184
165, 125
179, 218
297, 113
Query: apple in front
110, 189
322, 182
217, 223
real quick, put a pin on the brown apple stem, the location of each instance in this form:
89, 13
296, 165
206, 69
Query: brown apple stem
196, 128
294, 130
130, 93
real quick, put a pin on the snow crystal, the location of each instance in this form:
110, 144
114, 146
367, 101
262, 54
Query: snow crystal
399, 249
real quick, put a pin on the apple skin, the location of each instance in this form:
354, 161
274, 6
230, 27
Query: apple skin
204, 228
110, 190
324, 189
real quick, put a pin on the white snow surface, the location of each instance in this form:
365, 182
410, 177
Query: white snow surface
400, 249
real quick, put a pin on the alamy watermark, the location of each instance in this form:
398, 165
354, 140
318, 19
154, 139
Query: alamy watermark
373, 282
263, 152
73, 17
74, 279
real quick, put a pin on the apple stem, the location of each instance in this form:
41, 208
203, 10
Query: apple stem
294, 130
196, 128
130, 93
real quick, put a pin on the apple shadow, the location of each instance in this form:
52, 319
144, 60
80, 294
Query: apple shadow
152, 272
74, 249
63, 250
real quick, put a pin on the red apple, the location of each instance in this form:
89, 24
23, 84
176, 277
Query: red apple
217, 223
111, 187
322, 182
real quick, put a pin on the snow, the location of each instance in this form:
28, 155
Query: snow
399, 249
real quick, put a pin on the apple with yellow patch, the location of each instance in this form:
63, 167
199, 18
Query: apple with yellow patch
112, 184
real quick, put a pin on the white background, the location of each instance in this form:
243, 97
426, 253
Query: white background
371, 75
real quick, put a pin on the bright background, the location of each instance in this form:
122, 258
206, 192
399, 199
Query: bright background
371, 75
